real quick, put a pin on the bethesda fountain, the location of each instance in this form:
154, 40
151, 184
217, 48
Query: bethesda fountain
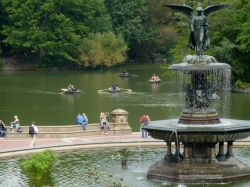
203, 142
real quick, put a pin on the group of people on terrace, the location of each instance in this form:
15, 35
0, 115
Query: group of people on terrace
81, 119
15, 125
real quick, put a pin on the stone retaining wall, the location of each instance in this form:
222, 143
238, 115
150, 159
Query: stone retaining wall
70, 131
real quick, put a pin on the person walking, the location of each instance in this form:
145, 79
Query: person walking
33, 130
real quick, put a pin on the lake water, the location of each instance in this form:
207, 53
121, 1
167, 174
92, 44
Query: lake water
35, 96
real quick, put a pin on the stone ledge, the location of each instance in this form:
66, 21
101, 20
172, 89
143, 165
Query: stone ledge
70, 131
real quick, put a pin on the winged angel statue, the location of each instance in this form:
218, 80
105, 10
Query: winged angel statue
199, 38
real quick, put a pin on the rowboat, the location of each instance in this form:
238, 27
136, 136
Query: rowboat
154, 80
69, 91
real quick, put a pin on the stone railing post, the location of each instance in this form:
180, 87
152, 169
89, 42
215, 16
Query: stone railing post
120, 122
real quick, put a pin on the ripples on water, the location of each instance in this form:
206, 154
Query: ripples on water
79, 168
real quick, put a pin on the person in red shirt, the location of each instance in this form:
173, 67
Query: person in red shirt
144, 120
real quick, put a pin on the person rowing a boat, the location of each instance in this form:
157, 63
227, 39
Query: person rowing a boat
114, 87
71, 87
155, 77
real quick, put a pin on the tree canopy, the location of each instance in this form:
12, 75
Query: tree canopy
102, 49
52, 30
61, 32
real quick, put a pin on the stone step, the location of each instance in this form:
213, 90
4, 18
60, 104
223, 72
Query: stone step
68, 131
59, 128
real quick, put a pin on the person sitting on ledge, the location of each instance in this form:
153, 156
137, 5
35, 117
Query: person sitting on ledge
82, 119
3, 130
104, 122
85, 121
15, 124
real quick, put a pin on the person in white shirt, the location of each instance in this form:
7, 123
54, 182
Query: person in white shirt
33, 130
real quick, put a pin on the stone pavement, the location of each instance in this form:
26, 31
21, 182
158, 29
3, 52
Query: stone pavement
12, 146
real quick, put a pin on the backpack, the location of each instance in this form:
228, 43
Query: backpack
31, 130
19, 129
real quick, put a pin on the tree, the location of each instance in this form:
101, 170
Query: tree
102, 49
235, 46
129, 18
52, 29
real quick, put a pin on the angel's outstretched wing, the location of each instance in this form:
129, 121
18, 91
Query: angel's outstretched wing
187, 10
212, 8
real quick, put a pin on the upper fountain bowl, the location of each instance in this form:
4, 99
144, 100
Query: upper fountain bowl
204, 62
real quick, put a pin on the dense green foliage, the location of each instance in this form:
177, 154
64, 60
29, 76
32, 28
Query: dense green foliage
104, 49
52, 30
58, 32
129, 18
38, 167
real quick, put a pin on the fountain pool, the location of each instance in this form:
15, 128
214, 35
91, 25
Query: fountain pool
75, 168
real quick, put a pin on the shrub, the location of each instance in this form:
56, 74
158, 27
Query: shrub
240, 84
103, 49
38, 165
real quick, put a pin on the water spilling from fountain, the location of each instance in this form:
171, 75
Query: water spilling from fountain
200, 131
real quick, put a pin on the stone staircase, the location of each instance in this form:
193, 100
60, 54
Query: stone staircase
70, 131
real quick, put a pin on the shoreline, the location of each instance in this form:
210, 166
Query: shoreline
238, 90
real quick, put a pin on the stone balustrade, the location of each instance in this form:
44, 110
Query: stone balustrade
119, 125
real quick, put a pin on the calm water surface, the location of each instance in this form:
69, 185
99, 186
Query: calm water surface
35, 96
80, 168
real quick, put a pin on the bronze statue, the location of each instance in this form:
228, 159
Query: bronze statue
199, 38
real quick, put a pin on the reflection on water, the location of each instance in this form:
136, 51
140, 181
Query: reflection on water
91, 168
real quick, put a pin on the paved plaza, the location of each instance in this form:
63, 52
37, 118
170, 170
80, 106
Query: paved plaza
14, 146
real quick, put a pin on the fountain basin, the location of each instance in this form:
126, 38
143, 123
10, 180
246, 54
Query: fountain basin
199, 162
191, 67
199, 173
226, 130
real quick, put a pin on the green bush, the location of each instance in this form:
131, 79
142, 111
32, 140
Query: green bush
240, 84
38, 165
103, 49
